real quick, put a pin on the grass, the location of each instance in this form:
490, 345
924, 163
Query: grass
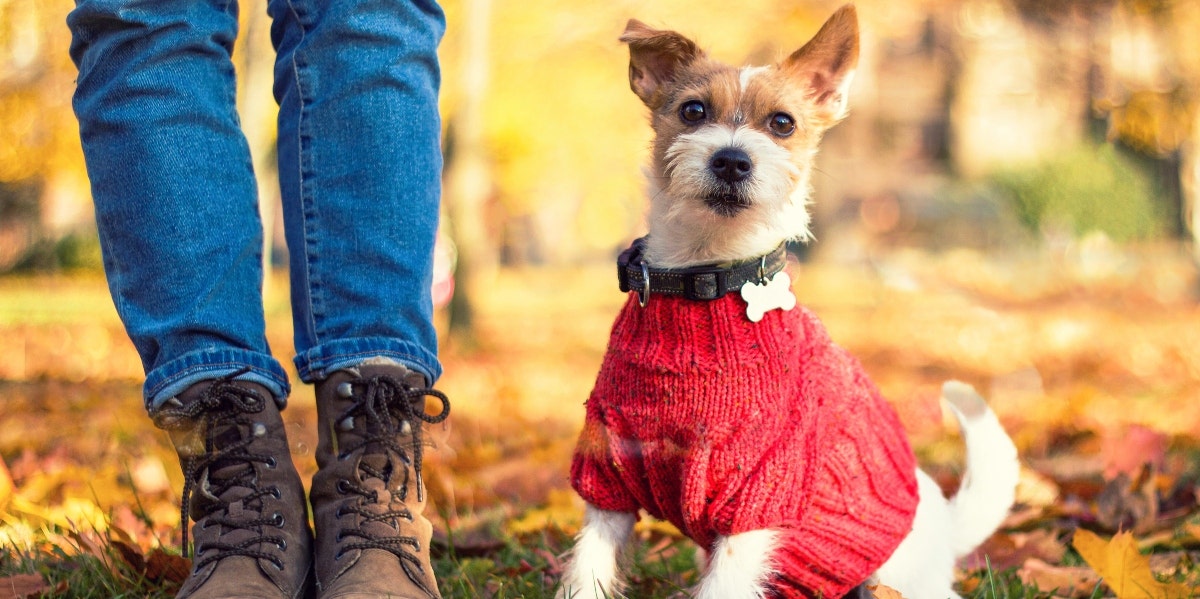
520, 568
1071, 348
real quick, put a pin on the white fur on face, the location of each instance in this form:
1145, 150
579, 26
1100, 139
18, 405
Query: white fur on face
685, 230
748, 73
745, 75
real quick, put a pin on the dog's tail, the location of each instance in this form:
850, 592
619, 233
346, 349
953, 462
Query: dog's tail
989, 483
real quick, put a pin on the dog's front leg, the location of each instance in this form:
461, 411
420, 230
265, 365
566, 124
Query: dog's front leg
740, 566
591, 571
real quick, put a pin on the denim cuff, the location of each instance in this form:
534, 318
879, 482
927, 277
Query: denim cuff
323, 360
170, 379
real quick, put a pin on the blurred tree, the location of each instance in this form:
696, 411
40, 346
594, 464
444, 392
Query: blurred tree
42, 177
557, 141
469, 173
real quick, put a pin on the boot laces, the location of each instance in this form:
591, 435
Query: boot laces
381, 407
222, 412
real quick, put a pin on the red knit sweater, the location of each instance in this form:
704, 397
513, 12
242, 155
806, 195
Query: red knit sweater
721, 425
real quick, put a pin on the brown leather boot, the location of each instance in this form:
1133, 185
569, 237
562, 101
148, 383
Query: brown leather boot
242, 490
367, 496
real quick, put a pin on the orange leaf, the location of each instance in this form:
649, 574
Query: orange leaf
1125, 570
131, 554
1064, 581
165, 567
880, 591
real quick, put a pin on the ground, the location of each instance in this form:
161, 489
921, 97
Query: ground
1090, 354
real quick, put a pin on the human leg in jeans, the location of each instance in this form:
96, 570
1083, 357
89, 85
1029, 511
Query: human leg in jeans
360, 168
180, 232
175, 205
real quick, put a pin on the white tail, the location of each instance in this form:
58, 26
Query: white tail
989, 484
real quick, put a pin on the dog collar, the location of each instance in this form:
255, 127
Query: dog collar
701, 283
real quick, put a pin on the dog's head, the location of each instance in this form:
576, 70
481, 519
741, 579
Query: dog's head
733, 147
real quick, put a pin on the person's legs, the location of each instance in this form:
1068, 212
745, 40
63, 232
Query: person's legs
175, 196
360, 174
360, 171
179, 228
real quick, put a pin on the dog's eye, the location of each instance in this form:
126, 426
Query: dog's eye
782, 124
692, 112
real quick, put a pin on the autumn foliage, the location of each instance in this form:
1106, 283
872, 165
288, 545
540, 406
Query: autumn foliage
1089, 356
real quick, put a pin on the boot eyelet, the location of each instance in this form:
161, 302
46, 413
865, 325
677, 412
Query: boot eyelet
339, 536
281, 544
278, 520
339, 513
338, 556
272, 462
275, 493
278, 564
342, 457
343, 486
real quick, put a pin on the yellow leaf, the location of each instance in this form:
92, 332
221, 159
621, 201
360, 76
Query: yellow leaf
1123, 568
6, 485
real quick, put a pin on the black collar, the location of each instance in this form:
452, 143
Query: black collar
696, 282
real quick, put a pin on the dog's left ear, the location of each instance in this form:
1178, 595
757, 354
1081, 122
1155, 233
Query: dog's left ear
826, 65
654, 58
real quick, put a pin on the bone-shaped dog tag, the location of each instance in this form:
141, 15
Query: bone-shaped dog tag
776, 293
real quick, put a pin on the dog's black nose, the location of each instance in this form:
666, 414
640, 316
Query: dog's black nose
731, 165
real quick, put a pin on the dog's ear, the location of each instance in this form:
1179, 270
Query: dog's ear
826, 65
654, 57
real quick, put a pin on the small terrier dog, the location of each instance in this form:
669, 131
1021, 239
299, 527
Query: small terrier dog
724, 408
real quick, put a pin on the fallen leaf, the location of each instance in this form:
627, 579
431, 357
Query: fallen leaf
166, 567
1124, 569
90, 542
6, 485
1036, 489
22, 586
1129, 449
1128, 502
1004, 551
1063, 581
476, 542
131, 554
880, 591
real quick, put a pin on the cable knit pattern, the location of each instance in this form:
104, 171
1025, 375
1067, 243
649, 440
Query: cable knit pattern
721, 425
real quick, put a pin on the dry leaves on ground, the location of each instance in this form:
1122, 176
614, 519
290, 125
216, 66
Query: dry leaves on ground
1124, 569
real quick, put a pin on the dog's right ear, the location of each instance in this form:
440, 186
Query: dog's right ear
826, 65
655, 57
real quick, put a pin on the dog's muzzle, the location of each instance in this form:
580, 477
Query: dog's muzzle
730, 167
727, 203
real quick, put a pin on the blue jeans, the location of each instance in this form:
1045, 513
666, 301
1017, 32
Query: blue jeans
175, 195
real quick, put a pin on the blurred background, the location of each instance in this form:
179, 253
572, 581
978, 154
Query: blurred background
981, 123
1012, 201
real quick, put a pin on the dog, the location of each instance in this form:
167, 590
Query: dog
724, 408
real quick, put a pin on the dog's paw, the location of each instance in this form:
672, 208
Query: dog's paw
776, 293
